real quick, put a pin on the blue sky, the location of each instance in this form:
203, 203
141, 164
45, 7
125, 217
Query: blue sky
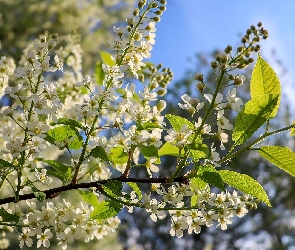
190, 26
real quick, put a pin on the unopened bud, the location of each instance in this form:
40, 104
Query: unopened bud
199, 77
162, 92
214, 64
200, 86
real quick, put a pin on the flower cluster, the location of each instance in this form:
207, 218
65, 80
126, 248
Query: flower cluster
206, 207
61, 221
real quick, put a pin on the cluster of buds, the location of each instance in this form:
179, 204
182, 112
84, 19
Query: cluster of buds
242, 57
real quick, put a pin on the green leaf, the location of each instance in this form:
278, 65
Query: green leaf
99, 152
113, 188
40, 196
89, 197
254, 114
210, 175
245, 183
118, 155
106, 209
106, 58
282, 157
149, 151
198, 183
99, 73
6, 164
61, 171
65, 134
292, 132
136, 189
168, 149
265, 81
199, 151
72, 123
148, 126
7, 217
177, 122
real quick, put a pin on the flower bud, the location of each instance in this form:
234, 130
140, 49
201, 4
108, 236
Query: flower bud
222, 57
228, 49
136, 12
199, 77
156, 19
162, 92
141, 77
214, 64
200, 86
163, 2
162, 8
154, 5
239, 80
194, 102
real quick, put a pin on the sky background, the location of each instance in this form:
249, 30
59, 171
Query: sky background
190, 26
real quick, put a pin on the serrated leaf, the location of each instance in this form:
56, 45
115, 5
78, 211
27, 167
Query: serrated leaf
168, 149
62, 171
199, 151
254, 114
69, 122
7, 217
245, 183
106, 209
210, 175
149, 151
136, 189
197, 183
99, 73
265, 81
89, 197
6, 164
292, 131
118, 155
177, 122
40, 196
148, 126
282, 157
113, 188
106, 58
65, 134
99, 152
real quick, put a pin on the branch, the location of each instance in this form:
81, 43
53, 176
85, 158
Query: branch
50, 193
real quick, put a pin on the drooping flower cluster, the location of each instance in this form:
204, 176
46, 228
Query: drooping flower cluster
61, 221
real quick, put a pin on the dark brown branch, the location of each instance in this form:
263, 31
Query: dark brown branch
50, 193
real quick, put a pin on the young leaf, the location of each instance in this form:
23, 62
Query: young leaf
65, 134
89, 197
254, 114
292, 132
244, 183
106, 209
62, 171
7, 217
168, 149
72, 123
113, 188
282, 157
118, 155
147, 126
265, 81
149, 151
106, 58
99, 73
177, 122
210, 175
199, 151
198, 183
5, 164
99, 152
136, 189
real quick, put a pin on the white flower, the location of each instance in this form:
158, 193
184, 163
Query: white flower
178, 138
233, 102
25, 237
151, 167
191, 104
43, 239
218, 104
222, 122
